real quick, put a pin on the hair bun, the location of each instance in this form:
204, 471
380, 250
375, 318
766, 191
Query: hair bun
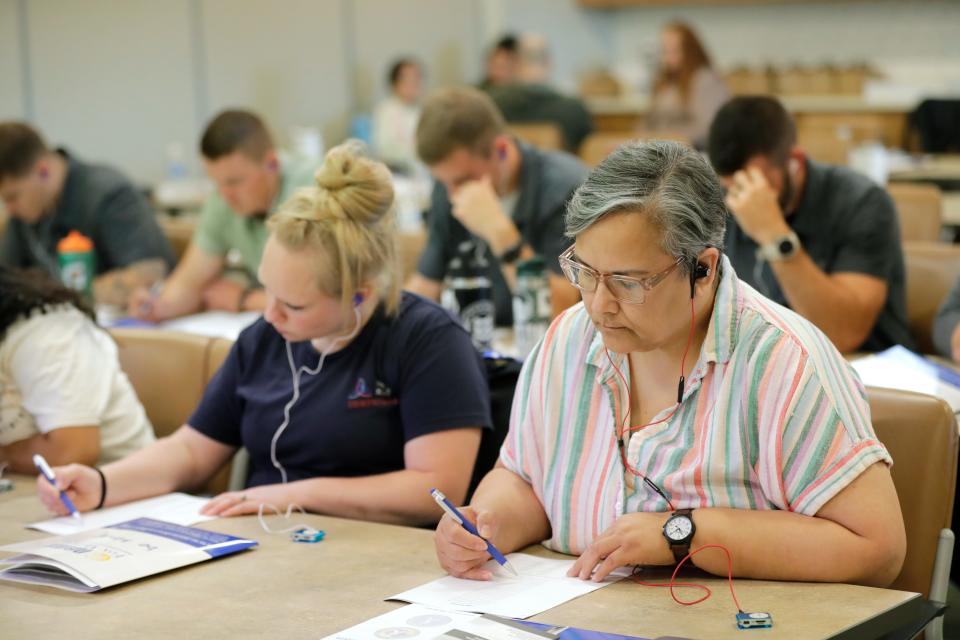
357, 188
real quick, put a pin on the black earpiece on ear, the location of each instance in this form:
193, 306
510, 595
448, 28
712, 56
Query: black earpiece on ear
697, 270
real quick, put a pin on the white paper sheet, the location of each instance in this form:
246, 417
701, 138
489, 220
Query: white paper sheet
217, 324
542, 585
178, 508
406, 622
899, 368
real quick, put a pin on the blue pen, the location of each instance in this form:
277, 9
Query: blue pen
47, 473
466, 524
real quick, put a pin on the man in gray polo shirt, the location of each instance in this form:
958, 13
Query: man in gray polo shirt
48, 193
820, 239
495, 188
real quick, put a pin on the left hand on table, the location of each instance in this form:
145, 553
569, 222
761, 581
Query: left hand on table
240, 503
754, 204
635, 538
223, 295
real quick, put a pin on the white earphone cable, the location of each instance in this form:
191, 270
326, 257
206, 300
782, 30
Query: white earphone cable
295, 375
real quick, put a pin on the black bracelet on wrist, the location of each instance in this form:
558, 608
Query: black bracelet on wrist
103, 488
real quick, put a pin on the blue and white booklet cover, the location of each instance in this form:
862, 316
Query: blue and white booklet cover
99, 558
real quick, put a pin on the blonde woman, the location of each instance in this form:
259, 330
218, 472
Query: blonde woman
353, 399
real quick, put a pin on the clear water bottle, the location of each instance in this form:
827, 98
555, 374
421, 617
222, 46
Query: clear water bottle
468, 292
531, 305
77, 265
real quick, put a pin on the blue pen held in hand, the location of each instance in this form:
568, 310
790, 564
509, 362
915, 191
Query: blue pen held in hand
47, 473
451, 511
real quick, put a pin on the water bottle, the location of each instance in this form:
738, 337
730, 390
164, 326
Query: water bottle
468, 292
77, 267
531, 305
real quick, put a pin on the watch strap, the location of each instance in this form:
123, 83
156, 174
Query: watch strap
773, 251
512, 254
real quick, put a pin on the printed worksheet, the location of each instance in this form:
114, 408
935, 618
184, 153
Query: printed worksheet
542, 584
178, 508
406, 622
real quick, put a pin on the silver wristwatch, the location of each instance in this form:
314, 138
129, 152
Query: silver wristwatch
783, 247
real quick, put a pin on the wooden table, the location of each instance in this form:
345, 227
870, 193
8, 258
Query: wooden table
289, 590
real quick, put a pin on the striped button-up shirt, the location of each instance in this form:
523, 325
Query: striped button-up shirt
772, 417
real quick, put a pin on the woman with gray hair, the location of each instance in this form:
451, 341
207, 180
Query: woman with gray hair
764, 446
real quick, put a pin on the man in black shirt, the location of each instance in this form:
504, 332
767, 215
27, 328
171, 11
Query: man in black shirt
49, 193
491, 187
819, 239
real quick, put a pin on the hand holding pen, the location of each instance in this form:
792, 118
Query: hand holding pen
50, 477
463, 547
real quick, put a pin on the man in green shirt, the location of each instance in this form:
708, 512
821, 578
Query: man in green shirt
251, 180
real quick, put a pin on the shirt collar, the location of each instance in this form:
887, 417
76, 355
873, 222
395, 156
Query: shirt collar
722, 330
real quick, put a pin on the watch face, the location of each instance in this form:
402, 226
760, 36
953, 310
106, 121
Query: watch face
679, 528
785, 246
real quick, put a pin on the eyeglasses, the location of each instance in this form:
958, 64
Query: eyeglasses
623, 288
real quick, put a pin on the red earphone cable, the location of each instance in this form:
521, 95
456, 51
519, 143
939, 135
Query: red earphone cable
673, 583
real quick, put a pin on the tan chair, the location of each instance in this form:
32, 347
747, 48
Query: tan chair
932, 269
544, 135
178, 231
597, 146
920, 432
825, 144
410, 246
169, 371
919, 209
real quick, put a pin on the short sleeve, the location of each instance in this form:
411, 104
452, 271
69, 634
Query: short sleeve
128, 231
521, 452
220, 411
63, 370
209, 236
435, 256
444, 385
820, 437
871, 236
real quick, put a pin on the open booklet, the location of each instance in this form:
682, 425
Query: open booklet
100, 558
429, 624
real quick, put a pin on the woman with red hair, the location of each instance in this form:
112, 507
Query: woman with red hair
687, 91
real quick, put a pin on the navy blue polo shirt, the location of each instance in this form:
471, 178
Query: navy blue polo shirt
402, 377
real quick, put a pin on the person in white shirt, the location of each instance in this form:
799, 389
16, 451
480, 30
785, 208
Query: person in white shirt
62, 393
395, 118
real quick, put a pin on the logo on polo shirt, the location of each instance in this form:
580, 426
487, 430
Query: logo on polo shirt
361, 397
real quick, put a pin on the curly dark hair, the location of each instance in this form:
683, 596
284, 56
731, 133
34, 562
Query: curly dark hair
23, 291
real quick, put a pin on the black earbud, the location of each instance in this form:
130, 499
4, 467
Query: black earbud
697, 270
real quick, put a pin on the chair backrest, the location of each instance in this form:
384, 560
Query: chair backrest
920, 432
597, 146
178, 231
932, 269
410, 246
169, 371
919, 209
825, 143
545, 135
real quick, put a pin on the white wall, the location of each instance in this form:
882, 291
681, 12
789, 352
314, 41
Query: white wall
11, 64
442, 34
119, 80
112, 80
284, 60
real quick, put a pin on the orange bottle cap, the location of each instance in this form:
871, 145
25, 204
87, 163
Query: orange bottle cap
75, 242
